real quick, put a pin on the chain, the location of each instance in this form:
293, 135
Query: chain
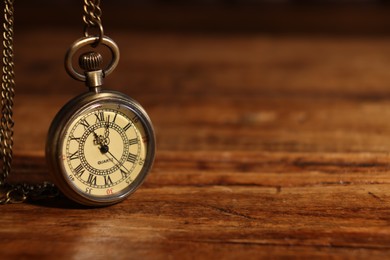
7, 91
20, 192
92, 19
92, 12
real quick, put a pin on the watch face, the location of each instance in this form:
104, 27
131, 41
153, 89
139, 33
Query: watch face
104, 150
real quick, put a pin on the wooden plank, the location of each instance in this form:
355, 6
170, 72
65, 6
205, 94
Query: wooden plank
218, 204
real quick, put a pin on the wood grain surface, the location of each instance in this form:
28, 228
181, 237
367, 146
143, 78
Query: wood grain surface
268, 146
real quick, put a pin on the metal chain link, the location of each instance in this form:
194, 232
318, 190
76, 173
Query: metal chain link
92, 19
7, 91
20, 192
92, 12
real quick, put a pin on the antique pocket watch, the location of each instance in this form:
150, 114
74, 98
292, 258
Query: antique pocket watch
101, 144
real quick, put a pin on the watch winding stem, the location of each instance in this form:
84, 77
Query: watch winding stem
91, 63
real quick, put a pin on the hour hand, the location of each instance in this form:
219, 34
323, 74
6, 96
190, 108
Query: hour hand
102, 141
106, 130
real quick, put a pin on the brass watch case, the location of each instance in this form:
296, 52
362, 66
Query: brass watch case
56, 139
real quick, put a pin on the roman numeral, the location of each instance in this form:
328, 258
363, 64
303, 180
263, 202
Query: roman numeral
79, 170
124, 174
107, 180
74, 155
77, 139
127, 127
84, 123
132, 158
99, 117
91, 179
115, 118
133, 141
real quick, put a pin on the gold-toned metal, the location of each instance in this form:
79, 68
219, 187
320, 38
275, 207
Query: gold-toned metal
88, 41
91, 63
92, 20
4, 198
7, 92
92, 12
21, 192
59, 138
16, 196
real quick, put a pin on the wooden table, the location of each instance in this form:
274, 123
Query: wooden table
268, 146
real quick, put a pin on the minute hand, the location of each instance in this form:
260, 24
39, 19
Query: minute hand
121, 165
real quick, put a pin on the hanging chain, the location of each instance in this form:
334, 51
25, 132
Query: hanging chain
92, 12
20, 192
92, 20
7, 91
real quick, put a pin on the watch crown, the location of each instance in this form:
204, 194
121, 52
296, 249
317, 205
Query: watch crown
91, 61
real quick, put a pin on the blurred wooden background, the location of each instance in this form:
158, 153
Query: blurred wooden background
271, 120
261, 16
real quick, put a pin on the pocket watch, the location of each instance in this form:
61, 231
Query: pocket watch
101, 144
